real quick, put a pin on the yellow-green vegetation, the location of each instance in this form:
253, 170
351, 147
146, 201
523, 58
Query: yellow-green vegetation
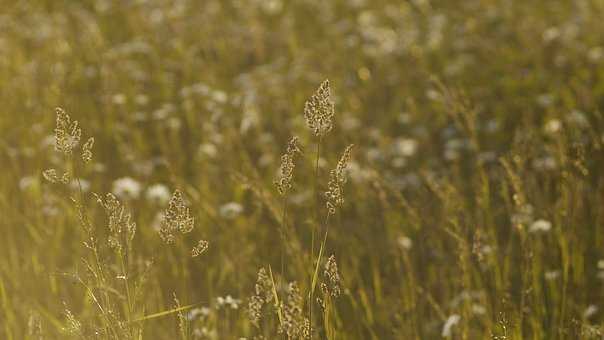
185, 169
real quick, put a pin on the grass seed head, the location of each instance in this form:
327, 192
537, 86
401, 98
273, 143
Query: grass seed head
87, 150
200, 248
73, 326
52, 176
67, 132
283, 182
294, 324
263, 294
177, 218
332, 285
319, 110
337, 179
121, 227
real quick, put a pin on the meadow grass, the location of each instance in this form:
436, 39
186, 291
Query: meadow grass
185, 169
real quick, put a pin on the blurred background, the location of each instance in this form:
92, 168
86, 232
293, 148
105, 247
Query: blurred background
475, 203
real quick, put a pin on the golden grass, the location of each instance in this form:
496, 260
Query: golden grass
159, 203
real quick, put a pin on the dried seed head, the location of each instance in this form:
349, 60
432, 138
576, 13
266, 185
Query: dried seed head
286, 170
264, 286
263, 294
337, 179
332, 285
52, 176
182, 320
67, 133
294, 324
34, 326
87, 150
319, 110
121, 228
200, 248
254, 310
73, 326
176, 219
334, 195
343, 163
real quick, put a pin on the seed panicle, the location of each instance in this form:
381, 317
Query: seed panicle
283, 182
52, 176
337, 179
200, 248
87, 150
67, 132
294, 324
319, 110
177, 218
332, 284
263, 294
121, 227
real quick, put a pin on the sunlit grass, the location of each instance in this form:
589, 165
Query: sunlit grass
471, 206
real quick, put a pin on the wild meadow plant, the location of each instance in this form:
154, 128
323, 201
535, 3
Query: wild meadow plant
121, 319
109, 271
293, 322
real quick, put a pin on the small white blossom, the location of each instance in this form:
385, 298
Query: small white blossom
158, 193
590, 311
230, 210
404, 242
220, 96
405, 147
82, 184
26, 183
126, 187
595, 54
553, 126
198, 313
209, 150
551, 34
118, 99
478, 309
228, 301
540, 226
141, 99
552, 275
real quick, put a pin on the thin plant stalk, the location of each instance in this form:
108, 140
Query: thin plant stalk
313, 230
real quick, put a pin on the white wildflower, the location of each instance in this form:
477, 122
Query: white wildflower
595, 54
118, 99
590, 311
551, 34
126, 187
228, 301
77, 184
405, 147
540, 226
208, 150
27, 182
158, 193
404, 242
552, 275
478, 309
220, 96
552, 126
198, 313
230, 210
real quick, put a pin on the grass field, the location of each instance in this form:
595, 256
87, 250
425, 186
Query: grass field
298, 169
